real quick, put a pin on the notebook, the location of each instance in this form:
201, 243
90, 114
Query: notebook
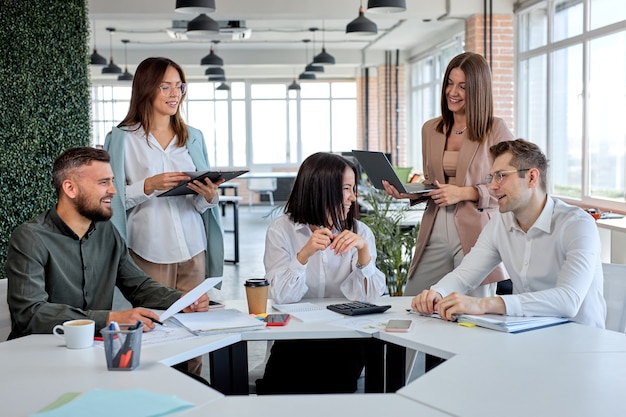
378, 168
182, 189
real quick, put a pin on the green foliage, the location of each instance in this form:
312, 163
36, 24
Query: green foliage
44, 102
394, 243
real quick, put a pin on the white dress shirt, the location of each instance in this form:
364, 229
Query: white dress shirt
555, 267
162, 230
325, 275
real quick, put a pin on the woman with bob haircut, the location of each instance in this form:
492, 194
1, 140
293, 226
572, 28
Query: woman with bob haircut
318, 249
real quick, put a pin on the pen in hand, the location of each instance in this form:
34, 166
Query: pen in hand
156, 321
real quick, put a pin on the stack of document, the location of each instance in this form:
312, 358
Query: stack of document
510, 324
218, 321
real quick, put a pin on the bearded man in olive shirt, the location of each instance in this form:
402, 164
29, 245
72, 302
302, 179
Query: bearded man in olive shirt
65, 263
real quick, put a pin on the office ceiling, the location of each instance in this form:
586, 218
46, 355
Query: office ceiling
269, 40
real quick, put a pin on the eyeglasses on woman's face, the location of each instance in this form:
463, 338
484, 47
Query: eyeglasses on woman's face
167, 90
499, 176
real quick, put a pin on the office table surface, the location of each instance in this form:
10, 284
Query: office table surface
269, 174
37, 369
568, 364
366, 405
526, 384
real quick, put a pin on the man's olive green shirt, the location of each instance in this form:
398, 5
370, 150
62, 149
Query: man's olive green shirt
56, 276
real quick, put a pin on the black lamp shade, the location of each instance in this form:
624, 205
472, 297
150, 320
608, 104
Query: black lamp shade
212, 60
217, 78
111, 68
314, 68
195, 6
361, 26
307, 76
294, 86
324, 58
214, 71
97, 59
386, 6
202, 26
223, 87
126, 76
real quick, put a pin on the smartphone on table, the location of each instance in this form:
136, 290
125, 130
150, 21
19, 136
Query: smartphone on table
399, 325
214, 304
279, 319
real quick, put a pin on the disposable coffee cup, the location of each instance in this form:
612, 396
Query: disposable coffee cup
78, 334
256, 293
122, 347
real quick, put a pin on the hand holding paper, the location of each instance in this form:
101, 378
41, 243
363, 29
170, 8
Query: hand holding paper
188, 299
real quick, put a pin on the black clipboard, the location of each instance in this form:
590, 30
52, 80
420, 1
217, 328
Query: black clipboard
182, 189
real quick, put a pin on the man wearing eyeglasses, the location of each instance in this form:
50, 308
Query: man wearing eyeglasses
550, 249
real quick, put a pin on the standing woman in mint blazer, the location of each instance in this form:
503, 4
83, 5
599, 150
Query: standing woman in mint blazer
176, 240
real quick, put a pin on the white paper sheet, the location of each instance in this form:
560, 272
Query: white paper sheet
190, 297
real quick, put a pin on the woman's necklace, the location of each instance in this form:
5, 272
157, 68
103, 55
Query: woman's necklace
460, 132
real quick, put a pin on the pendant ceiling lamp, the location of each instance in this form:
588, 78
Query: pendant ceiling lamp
211, 59
361, 25
195, 6
223, 87
294, 85
313, 68
307, 76
217, 77
126, 76
214, 71
202, 26
111, 68
386, 6
96, 58
324, 58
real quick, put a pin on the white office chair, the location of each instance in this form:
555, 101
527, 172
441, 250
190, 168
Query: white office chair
5, 315
262, 186
615, 296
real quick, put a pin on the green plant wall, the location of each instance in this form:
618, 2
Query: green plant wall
44, 102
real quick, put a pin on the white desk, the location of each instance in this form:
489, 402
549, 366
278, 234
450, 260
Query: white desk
36, 370
570, 370
545, 384
368, 405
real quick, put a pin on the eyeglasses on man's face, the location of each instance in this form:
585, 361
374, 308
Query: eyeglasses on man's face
499, 176
167, 89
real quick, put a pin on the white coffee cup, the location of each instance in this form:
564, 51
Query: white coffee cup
78, 334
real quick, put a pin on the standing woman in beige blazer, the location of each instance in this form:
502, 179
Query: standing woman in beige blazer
455, 151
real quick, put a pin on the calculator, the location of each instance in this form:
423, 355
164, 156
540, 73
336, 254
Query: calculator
357, 307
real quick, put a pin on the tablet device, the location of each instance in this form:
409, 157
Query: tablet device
182, 189
378, 168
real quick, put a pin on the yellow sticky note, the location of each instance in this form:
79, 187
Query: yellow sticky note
465, 324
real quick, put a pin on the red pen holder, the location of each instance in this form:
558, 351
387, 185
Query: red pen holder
122, 347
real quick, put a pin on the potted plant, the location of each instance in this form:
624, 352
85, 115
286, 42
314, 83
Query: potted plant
394, 242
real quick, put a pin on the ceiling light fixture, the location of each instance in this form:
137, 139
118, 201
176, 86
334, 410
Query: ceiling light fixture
202, 26
111, 68
307, 76
361, 25
294, 85
324, 58
195, 6
211, 59
312, 67
217, 77
214, 71
126, 76
386, 6
223, 87
96, 58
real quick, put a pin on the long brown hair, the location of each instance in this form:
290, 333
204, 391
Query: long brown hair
478, 97
148, 77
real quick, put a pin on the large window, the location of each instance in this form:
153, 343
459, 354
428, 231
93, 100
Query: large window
255, 123
572, 95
